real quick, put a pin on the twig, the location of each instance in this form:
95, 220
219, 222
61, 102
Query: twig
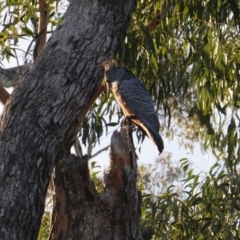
100, 151
81, 117
20, 71
28, 49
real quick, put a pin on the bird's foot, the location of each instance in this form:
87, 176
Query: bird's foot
126, 122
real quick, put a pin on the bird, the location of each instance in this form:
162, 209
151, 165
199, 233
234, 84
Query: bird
134, 100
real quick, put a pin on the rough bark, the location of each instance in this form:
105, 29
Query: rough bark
83, 213
39, 123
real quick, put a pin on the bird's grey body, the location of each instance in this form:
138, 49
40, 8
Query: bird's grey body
134, 101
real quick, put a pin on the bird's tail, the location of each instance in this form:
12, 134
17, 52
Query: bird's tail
157, 139
153, 135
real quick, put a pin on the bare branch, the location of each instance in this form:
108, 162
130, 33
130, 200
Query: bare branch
29, 46
42, 36
81, 117
20, 71
78, 148
98, 152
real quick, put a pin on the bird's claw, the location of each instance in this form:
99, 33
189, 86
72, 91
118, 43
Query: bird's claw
126, 122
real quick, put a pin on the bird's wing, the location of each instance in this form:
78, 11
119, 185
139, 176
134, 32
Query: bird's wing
138, 101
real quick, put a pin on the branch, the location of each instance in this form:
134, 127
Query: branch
98, 152
42, 36
77, 147
157, 19
81, 117
4, 95
20, 71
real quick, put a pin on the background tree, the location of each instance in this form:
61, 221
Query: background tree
187, 53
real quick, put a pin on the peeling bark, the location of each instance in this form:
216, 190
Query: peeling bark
83, 213
40, 121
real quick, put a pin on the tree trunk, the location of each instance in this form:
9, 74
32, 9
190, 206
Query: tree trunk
83, 213
39, 123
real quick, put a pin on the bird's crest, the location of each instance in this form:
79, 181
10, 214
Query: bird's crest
109, 64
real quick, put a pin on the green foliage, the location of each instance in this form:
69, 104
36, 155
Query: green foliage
98, 182
206, 208
190, 63
46, 220
20, 20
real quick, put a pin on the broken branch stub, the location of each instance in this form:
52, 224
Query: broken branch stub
87, 214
